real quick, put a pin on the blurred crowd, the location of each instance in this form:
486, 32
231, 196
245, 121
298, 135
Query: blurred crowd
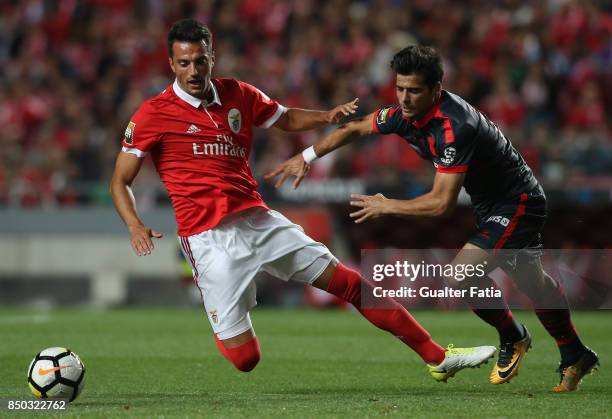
72, 72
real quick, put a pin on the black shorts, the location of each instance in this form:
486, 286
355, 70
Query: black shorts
514, 225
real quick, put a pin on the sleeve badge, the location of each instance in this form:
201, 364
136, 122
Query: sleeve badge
129, 133
382, 116
449, 155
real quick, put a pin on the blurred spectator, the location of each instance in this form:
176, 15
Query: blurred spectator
73, 71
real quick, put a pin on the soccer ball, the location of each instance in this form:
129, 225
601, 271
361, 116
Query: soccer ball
56, 373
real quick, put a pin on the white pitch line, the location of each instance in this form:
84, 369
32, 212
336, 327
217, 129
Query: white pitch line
27, 319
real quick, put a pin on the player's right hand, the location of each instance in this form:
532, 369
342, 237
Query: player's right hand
295, 166
141, 239
335, 115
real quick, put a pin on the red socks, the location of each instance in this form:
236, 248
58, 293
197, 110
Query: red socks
346, 284
244, 357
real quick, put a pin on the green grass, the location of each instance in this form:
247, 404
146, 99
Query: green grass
164, 363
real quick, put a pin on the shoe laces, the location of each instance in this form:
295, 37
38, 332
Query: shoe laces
451, 350
562, 370
506, 352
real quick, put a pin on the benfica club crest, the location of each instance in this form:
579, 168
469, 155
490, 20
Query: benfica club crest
213, 316
234, 118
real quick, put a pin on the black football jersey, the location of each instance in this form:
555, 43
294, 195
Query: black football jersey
459, 139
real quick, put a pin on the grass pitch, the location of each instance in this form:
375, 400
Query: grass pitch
163, 362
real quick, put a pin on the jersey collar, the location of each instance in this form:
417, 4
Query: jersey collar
194, 101
433, 112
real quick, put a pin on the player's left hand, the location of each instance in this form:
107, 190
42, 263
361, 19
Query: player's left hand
335, 115
372, 206
295, 166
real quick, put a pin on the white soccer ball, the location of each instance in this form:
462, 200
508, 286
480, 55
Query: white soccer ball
56, 373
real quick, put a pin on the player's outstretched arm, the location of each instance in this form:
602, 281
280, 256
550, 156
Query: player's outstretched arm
296, 119
440, 201
299, 164
127, 167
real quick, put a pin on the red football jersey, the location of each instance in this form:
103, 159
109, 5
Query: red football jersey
201, 150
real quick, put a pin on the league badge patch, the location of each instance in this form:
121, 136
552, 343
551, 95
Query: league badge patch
129, 133
382, 115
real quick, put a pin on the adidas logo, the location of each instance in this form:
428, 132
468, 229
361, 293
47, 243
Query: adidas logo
193, 129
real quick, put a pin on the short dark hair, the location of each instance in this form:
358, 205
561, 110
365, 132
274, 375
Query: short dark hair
417, 59
188, 30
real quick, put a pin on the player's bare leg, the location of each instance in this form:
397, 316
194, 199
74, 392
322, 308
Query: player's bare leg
236, 341
241, 350
550, 305
443, 364
514, 338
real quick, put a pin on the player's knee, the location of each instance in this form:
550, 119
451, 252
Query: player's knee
549, 284
455, 283
534, 281
247, 364
246, 356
